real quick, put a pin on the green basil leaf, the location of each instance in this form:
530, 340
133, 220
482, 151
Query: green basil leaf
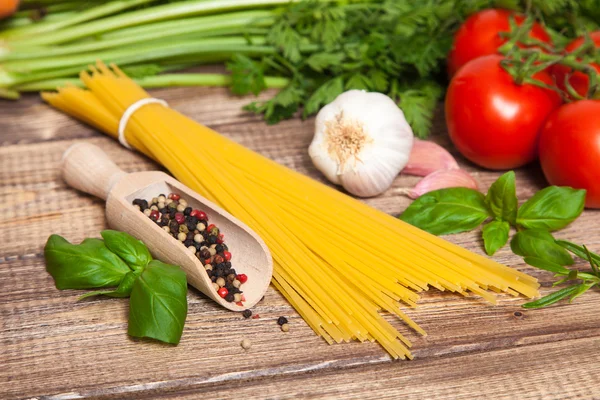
539, 244
547, 265
446, 211
133, 251
87, 265
553, 297
123, 290
495, 236
501, 198
551, 208
158, 304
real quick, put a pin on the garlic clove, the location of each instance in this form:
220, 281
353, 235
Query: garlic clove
442, 179
427, 157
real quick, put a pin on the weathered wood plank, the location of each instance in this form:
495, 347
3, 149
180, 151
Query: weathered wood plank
53, 345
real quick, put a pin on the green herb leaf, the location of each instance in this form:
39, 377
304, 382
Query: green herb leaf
87, 265
124, 289
584, 287
325, 94
553, 297
158, 304
495, 236
247, 76
502, 198
551, 208
547, 265
133, 251
579, 251
446, 211
539, 244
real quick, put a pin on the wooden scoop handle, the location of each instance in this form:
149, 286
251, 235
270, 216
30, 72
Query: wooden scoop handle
87, 168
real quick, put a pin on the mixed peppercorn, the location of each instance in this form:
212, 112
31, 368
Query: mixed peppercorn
190, 226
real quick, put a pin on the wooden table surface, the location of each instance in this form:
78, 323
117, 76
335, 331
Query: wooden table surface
55, 347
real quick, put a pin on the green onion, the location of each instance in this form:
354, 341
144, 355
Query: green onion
143, 16
149, 82
109, 8
218, 25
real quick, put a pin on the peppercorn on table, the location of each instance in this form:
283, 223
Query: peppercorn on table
53, 346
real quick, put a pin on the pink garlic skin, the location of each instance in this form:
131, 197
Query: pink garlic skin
428, 157
440, 180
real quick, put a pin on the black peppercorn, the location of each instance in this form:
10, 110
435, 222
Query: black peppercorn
193, 220
187, 211
143, 204
205, 254
211, 239
163, 210
188, 242
282, 320
228, 264
247, 313
198, 246
213, 277
219, 249
229, 297
225, 248
191, 226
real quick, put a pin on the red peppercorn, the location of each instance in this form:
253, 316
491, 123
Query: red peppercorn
218, 259
255, 316
221, 239
239, 303
207, 261
180, 218
154, 214
174, 196
202, 215
212, 229
242, 278
227, 255
195, 213
243, 298
223, 292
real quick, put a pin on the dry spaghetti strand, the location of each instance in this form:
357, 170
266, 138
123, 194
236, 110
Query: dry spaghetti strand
336, 277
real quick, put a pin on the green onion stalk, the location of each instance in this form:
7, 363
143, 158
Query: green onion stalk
133, 34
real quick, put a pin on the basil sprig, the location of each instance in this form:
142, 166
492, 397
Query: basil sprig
455, 210
157, 291
460, 209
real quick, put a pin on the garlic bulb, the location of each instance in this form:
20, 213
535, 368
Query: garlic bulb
362, 141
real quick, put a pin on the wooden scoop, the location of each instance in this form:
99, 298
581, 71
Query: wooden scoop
87, 168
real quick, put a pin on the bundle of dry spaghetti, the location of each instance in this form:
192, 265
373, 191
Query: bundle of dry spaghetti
338, 276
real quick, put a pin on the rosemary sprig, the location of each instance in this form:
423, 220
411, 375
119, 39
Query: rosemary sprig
587, 280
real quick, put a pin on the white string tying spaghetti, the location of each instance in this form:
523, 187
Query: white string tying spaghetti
129, 112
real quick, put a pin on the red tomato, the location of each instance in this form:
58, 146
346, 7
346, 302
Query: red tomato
491, 120
578, 80
479, 36
570, 148
8, 7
